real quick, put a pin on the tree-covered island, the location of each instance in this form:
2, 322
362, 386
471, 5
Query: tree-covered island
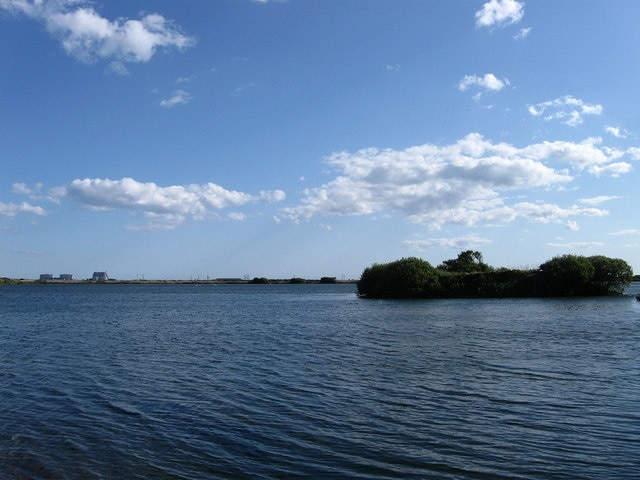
467, 276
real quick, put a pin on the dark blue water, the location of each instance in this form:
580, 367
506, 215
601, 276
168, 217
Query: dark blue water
293, 381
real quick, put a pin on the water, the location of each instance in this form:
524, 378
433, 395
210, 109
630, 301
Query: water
294, 381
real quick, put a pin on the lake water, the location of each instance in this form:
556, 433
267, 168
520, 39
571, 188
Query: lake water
309, 381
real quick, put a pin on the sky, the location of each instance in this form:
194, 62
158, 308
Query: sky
193, 139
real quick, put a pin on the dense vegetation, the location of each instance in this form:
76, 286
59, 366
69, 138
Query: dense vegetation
467, 276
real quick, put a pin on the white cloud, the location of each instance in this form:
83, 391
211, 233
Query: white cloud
573, 225
598, 200
393, 67
89, 37
616, 131
24, 189
586, 154
499, 13
35, 192
458, 243
237, 216
12, 209
488, 82
463, 184
628, 231
634, 152
613, 169
580, 245
178, 97
168, 206
568, 109
522, 33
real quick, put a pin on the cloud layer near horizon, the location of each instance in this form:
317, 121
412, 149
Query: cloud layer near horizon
470, 182
168, 206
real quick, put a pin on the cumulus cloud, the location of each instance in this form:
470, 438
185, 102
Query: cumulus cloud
499, 13
568, 109
470, 182
466, 242
165, 206
178, 97
12, 209
487, 82
89, 37
484, 84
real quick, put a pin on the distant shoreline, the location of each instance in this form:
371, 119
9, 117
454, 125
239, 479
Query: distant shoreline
12, 281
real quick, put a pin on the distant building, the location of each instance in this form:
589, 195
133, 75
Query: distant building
45, 276
100, 277
65, 276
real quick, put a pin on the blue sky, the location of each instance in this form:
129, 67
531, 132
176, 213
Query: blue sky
226, 138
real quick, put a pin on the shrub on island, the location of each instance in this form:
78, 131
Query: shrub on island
259, 280
469, 277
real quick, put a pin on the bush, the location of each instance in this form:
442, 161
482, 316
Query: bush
405, 278
328, 280
259, 280
469, 277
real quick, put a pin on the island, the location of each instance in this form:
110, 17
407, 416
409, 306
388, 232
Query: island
467, 276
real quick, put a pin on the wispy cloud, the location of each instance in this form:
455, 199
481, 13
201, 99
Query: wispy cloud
456, 243
576, 245
466, 183
616, 131
598, 200
499, 13
568, 109
89, 37
178, 97
13, 209
522, 33
627, 231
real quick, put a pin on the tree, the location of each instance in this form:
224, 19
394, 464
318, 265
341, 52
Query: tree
468, 261
611, 275
406, 278
566, 275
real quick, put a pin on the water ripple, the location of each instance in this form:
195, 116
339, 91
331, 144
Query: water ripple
179, 382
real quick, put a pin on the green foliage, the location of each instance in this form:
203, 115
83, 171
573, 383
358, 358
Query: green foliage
328, 280
405, 278
297, 280
468, 261
469, 277
572, 275
565, 276
259, 280
611, 275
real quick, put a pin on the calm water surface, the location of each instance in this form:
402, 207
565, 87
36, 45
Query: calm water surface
291, 381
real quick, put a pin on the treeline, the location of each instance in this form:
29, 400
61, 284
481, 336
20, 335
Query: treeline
264, 280
467, 276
